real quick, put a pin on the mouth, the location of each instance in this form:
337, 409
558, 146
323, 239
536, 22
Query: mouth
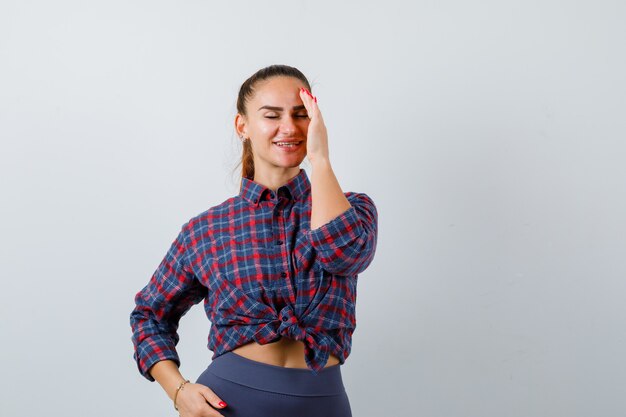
288, 144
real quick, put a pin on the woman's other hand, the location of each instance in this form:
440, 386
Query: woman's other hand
317, 137
197, 400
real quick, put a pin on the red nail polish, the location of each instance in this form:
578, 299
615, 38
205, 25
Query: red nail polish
315, 99
222, 404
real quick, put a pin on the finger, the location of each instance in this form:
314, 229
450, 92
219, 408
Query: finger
213, 413
310, 102
306, 100
315, 108
311, 96
213, 399
305, 96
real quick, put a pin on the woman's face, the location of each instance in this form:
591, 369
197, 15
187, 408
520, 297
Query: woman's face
276, 113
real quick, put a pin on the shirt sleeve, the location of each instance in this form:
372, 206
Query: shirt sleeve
346, 244
171, 291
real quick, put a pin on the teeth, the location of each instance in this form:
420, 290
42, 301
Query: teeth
286, 144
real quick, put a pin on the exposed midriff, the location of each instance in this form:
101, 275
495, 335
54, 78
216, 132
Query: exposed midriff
285, 352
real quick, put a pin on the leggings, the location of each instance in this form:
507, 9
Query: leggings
256, 389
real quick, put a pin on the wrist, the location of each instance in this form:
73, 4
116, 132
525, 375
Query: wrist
320, 162
179, 388
167, 374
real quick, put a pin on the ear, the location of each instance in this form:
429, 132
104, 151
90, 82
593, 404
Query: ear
240, 125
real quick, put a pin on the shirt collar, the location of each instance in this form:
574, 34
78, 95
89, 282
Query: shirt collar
295, 188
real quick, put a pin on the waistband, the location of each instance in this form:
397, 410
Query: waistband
279, 379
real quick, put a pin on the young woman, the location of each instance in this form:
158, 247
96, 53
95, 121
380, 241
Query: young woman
276, 266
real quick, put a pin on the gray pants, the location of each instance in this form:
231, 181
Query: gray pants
256, 389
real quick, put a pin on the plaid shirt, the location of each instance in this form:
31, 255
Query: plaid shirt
262, 273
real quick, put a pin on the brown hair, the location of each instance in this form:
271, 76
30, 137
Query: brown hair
246, 92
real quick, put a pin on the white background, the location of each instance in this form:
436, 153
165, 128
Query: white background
490, 134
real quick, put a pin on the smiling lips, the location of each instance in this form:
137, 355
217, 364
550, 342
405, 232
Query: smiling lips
288, 145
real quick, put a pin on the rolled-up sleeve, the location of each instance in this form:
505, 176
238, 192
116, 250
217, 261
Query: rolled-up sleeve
171, 291
346, 244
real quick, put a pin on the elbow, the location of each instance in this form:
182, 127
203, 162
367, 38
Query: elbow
351, 259
347, 244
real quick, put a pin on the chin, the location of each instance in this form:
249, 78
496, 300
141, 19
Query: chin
295, 162
294, 165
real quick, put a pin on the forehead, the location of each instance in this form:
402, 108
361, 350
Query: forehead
278, 90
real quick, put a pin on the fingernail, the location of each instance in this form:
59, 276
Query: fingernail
222, 404
315, 99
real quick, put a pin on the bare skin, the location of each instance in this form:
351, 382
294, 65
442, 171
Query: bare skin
273, 167
286, 352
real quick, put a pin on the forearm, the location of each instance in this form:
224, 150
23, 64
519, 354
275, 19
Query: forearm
328, 199
166, 373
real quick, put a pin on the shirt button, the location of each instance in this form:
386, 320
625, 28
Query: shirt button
283, 274
279, 242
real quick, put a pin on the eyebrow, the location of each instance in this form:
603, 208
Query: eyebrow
301, 107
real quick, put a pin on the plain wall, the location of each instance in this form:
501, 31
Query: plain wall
490, 134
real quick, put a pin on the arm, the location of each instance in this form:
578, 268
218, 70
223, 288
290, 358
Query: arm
170, 293
172, 290
328, 200
343, 229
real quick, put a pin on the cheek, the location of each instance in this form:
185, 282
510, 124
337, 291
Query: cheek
266, 128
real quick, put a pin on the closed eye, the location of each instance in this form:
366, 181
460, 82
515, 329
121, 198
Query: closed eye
299, 116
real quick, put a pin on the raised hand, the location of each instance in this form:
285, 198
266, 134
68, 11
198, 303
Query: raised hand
317, 137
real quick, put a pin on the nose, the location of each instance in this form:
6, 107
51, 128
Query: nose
288, 126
